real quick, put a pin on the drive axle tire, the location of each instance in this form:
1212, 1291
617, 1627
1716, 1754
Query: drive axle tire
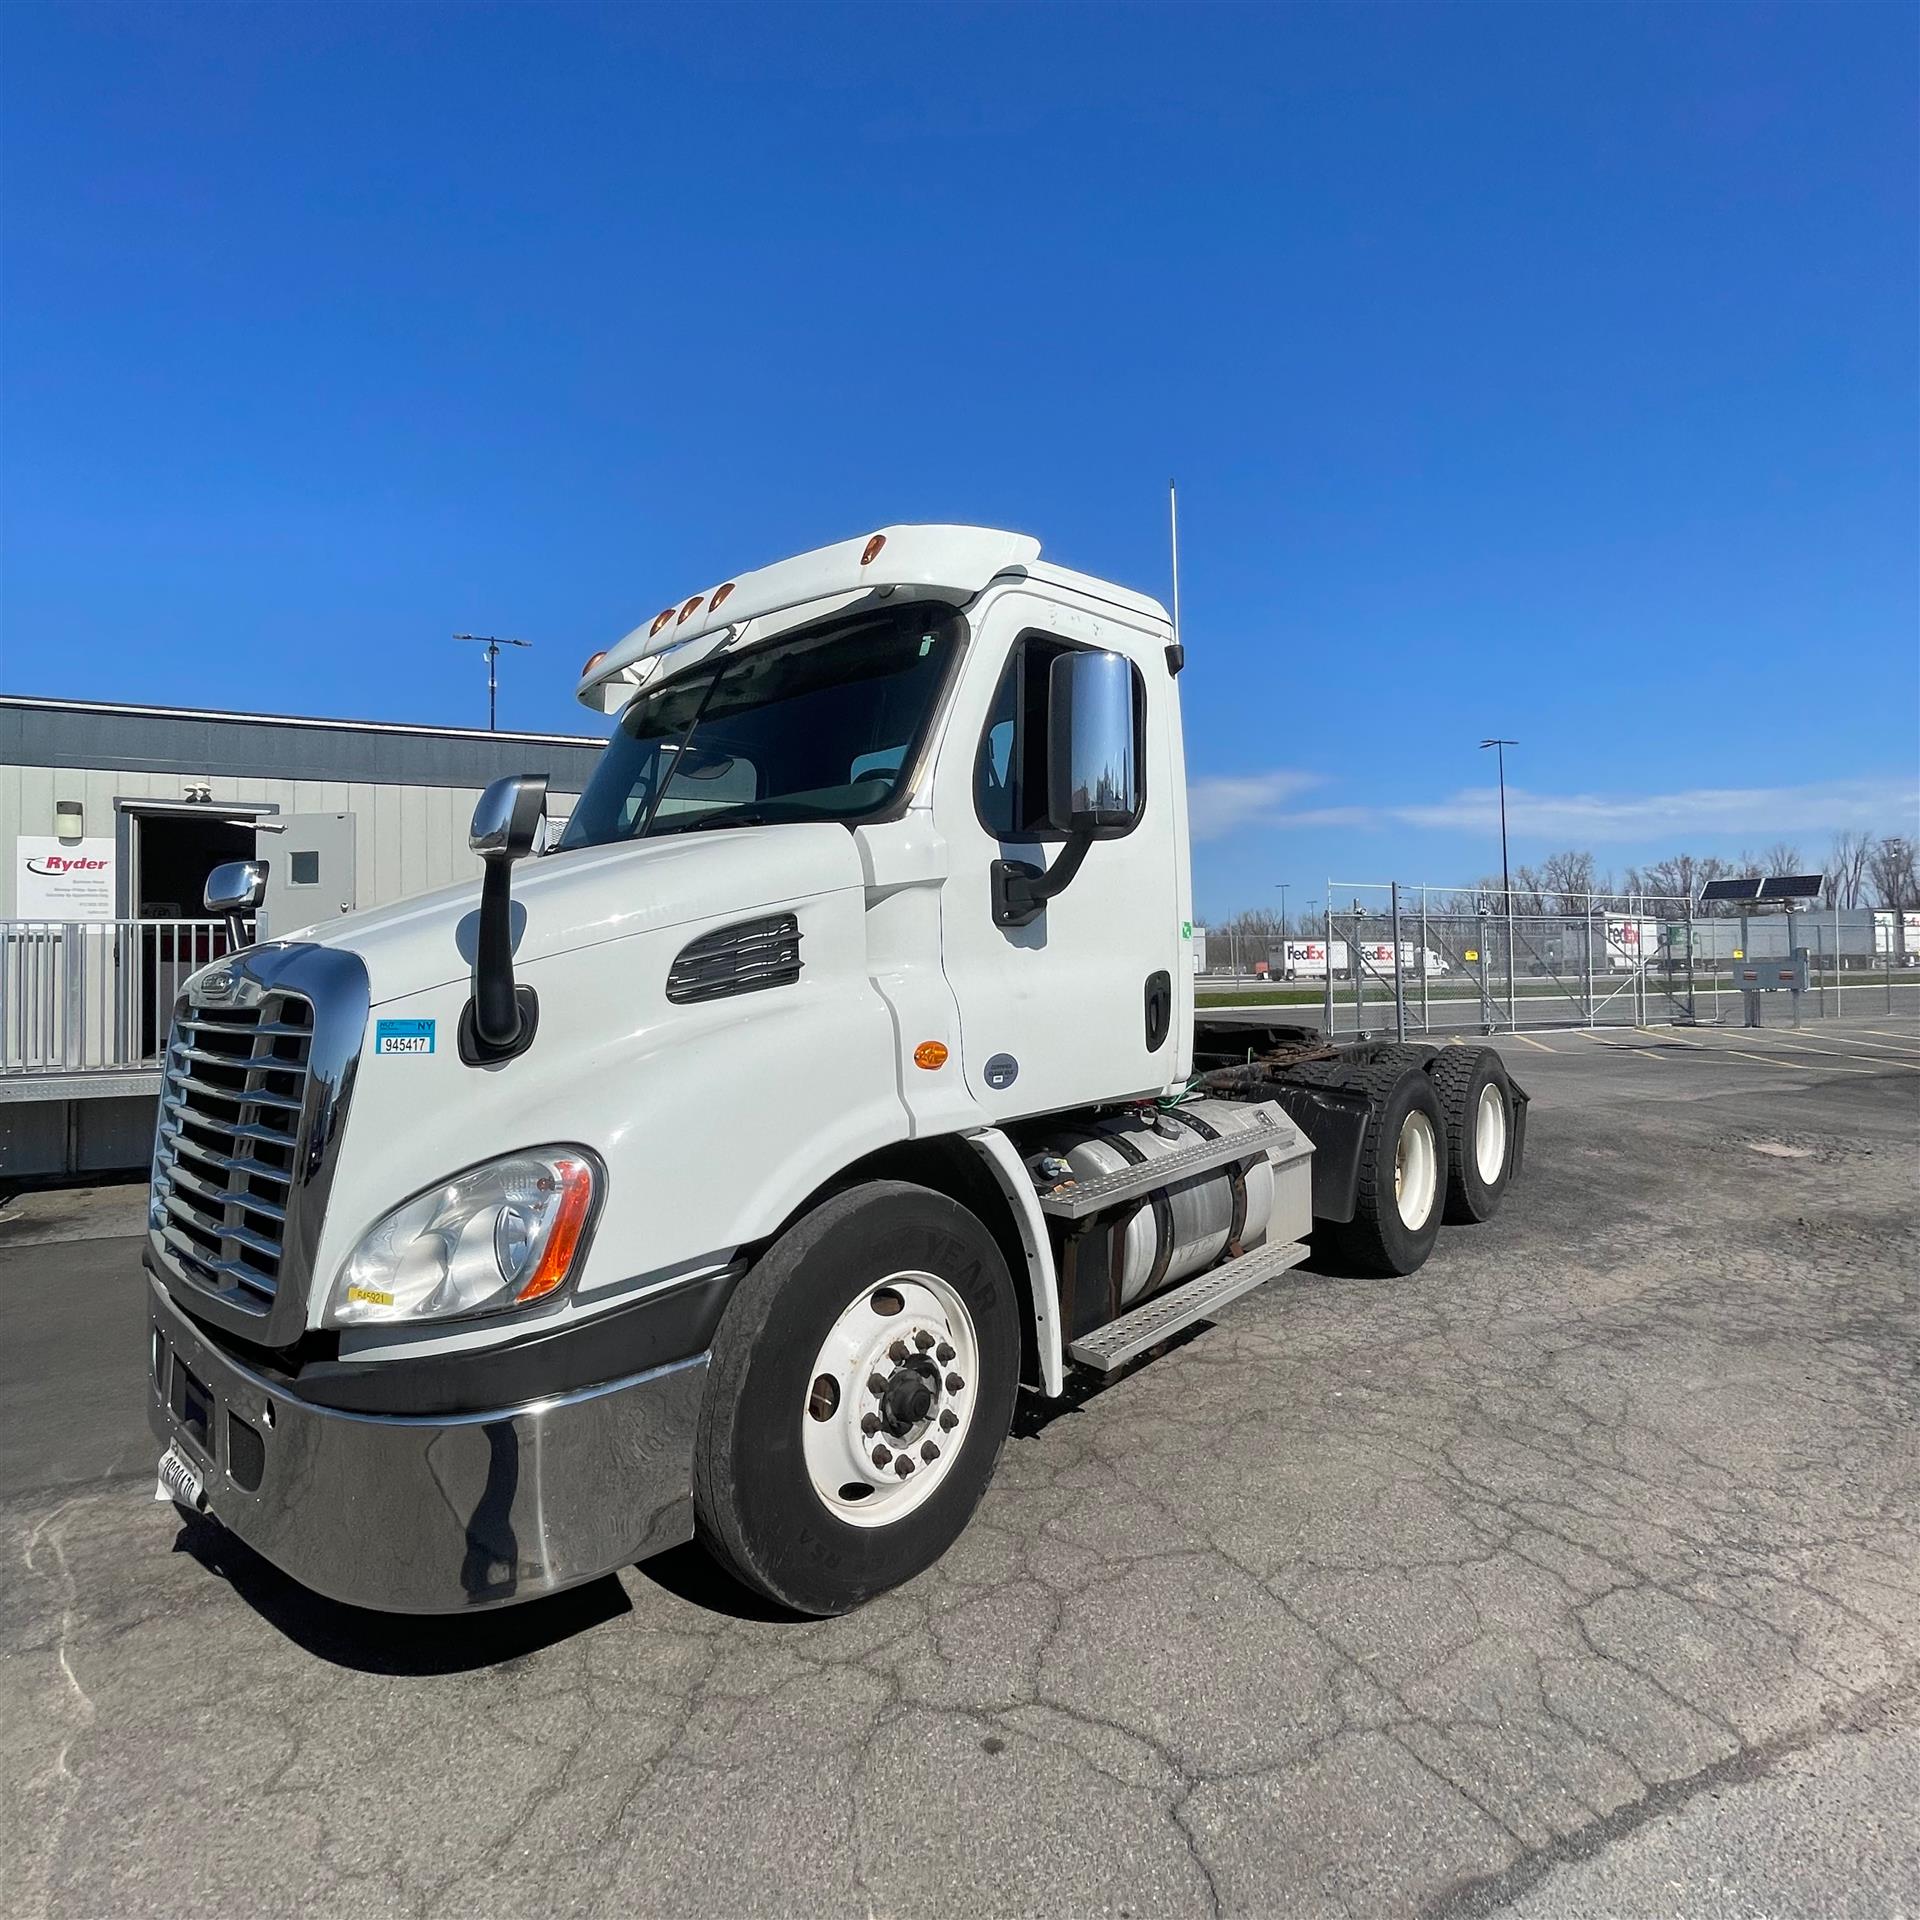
1403, 1170
862, 1382
1477, 1098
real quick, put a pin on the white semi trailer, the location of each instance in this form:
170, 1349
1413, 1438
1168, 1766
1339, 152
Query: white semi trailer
1310, 959
726, 1169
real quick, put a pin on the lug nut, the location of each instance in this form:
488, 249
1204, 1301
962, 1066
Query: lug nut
929, 1453
881, 1456
876, 1385
923, 1340
949, 1420
903, 1466
897, 1352
954, 1383
869, 1423
945, 1354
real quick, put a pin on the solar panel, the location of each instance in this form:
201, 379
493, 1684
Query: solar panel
1747, 887
1792, 886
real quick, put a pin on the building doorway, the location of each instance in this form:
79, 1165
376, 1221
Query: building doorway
170, 852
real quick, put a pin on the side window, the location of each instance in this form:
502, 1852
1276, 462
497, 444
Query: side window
1010, 775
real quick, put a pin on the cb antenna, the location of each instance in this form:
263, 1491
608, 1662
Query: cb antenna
1176, 654
493, 643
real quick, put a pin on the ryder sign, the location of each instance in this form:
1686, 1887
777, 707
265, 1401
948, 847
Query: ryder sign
62, 879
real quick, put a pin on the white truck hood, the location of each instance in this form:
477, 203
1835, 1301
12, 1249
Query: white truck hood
563, 901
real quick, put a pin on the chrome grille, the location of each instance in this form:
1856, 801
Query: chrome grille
744, 958
225, 1160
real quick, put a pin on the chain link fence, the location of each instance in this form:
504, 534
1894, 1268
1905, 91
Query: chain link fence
1383, 957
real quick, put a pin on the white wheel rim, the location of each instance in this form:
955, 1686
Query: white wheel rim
1416, 1167
855, 1435
1490, 1133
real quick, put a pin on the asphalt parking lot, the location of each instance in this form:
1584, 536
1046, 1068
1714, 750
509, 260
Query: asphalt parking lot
1579, 1574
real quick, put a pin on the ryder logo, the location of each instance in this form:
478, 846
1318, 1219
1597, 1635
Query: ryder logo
53, 866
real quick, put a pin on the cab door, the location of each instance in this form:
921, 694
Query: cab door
1080, 1004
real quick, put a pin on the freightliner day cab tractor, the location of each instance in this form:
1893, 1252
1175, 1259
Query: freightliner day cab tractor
727, 1168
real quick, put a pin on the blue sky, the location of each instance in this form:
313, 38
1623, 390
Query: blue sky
1546, 370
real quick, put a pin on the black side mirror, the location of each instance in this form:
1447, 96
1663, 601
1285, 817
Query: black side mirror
235, 889
506, 824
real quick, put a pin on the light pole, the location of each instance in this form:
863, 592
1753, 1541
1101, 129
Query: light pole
1500, 751
1281, 887
1500, 746
493, 646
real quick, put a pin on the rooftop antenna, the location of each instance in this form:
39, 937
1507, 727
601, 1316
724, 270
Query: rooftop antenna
493, 644
1176, 653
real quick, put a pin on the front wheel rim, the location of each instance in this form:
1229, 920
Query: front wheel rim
1490, 1134
1416, 1166
889, 1399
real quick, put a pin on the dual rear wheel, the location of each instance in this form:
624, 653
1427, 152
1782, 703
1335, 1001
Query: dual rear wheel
1439, 1145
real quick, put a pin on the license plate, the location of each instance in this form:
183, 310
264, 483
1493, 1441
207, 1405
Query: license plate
180, 1481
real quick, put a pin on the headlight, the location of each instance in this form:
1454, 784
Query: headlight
495, 1237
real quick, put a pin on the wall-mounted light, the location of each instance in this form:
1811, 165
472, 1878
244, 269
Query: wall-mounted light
69, 819
199, 791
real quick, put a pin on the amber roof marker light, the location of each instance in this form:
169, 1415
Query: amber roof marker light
871, 551
719, 594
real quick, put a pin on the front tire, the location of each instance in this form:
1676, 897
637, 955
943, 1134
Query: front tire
861, 1385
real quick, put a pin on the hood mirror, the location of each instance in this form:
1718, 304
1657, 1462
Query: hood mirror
234, 890
507, 816
499, 1019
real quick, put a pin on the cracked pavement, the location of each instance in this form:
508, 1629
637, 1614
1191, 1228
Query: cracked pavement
1578, 1574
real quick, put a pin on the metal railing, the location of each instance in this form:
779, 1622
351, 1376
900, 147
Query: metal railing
94, 996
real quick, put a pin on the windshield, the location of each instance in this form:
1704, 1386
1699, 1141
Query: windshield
822, 725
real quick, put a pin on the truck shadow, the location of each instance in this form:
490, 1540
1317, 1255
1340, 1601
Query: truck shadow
368, 1641
691, 1574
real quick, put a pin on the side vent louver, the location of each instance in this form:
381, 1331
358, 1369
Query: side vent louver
743, 958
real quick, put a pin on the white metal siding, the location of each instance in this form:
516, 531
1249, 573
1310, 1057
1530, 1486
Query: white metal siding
406, 838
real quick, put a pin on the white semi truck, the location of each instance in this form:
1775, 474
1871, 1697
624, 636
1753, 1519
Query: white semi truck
727, 1168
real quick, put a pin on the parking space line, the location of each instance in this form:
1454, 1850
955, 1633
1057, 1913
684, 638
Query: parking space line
1780, 1059
1535, 1044
1869, 1049
1671, 1039
1885, 1060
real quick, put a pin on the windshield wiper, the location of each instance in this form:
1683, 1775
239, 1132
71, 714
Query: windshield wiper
730, 817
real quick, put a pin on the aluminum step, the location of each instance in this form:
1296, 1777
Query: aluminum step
1075, 1199
1166, 1313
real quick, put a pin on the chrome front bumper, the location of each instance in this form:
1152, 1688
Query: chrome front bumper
430, 1515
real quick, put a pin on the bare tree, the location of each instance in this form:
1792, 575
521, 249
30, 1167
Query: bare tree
1567, 879
1847, 867
1782, 858
1679, 877
1894, 868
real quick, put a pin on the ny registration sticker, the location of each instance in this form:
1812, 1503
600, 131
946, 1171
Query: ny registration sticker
403, 1036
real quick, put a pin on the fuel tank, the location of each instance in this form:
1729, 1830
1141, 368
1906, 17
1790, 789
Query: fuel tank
1180, 1229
